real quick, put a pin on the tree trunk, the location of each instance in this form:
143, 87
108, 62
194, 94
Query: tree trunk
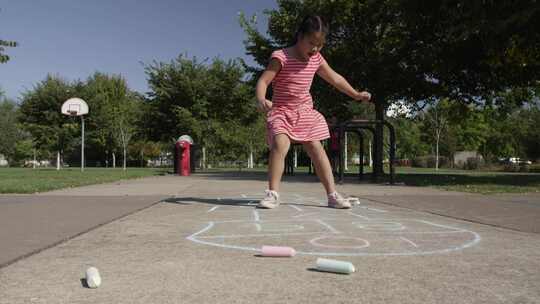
346, 168
378, 169
124, 163
370, 158
250, 159
295, 158
203, 157
437, 152
114, 160
57, 160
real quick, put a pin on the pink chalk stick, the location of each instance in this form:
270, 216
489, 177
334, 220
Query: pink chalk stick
276, 251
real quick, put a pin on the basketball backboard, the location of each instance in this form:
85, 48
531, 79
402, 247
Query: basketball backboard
75, 107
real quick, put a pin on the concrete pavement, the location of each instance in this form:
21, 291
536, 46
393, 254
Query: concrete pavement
200, 245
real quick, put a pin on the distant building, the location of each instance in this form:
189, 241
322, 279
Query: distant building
460, 158
3, 161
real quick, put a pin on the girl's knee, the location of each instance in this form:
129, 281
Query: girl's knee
312, 145
281, 143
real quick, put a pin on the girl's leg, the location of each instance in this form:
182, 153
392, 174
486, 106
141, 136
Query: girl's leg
322, 165
276, 162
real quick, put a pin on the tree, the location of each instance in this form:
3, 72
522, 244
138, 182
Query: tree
208, 101
22, 150
474, 48
114, 115
4, 44
510, 119
41, 117
409, 137
144, 151
9, 131
402, 50
524, 130
469, 127
436, 120
500, 136
124, 115
366, 45
112, 121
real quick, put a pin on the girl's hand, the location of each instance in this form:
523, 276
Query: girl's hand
264, 105
362, 96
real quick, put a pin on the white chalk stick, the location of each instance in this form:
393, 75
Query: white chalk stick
354, 200
276, 251
335, 266
93, 280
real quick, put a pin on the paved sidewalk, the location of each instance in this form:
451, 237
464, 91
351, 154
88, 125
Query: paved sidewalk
31, 223
200, 245
518, 212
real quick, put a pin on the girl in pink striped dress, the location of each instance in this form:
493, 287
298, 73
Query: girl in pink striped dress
290, 114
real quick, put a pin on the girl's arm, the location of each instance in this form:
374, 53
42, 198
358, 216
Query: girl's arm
264, 81
340, 83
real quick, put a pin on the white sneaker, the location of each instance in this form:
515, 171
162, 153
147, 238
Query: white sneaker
335, 200
270, 201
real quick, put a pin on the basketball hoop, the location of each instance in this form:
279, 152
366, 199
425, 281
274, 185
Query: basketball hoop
77, 107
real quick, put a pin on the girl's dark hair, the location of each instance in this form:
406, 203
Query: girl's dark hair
311, 24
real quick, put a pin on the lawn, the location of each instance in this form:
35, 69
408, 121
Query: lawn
474, 181
23, 180
471, 181
485, 182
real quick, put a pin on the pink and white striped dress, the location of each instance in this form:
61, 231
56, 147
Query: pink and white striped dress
292, 111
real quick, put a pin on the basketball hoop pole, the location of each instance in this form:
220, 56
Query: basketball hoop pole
82, 143
76, 107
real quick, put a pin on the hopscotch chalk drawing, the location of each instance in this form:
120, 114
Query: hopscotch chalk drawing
302, 224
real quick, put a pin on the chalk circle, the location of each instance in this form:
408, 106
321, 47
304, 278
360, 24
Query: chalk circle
316, 242
379, 226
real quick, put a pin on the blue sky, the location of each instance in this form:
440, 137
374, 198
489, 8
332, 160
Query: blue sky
75, 38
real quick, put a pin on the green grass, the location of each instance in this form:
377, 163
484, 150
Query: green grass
484, 182
471, 181
23, 180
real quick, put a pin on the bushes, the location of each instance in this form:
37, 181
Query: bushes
420, 162
429, 161
524, 168
473, 163
511, 167
535, 167
403, 162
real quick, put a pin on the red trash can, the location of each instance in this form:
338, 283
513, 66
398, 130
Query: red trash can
183, 146
185, 161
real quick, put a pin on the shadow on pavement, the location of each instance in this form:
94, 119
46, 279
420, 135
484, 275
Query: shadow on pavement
299, 177
238, 202
210, 201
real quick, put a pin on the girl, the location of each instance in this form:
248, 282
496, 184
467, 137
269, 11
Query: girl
290, 114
